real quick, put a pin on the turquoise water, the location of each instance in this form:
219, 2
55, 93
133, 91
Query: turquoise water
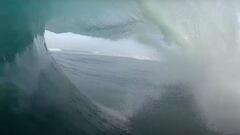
192, 87
36, 98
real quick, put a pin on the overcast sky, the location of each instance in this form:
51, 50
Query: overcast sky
99, 46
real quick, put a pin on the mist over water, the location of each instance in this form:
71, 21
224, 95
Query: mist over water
207, 61
119, 67
198, 45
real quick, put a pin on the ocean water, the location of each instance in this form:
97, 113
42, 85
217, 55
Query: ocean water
145, 67
129, 89
116, 82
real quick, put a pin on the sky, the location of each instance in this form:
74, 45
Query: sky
99, 46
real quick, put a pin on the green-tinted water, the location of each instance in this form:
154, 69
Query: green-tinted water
36, 98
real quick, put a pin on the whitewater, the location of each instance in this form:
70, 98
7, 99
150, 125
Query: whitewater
107, 67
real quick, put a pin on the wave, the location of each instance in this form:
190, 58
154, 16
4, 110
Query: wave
36, 97
198, 40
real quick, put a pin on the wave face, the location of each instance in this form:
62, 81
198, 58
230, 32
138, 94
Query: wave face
196, 81
35, 96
